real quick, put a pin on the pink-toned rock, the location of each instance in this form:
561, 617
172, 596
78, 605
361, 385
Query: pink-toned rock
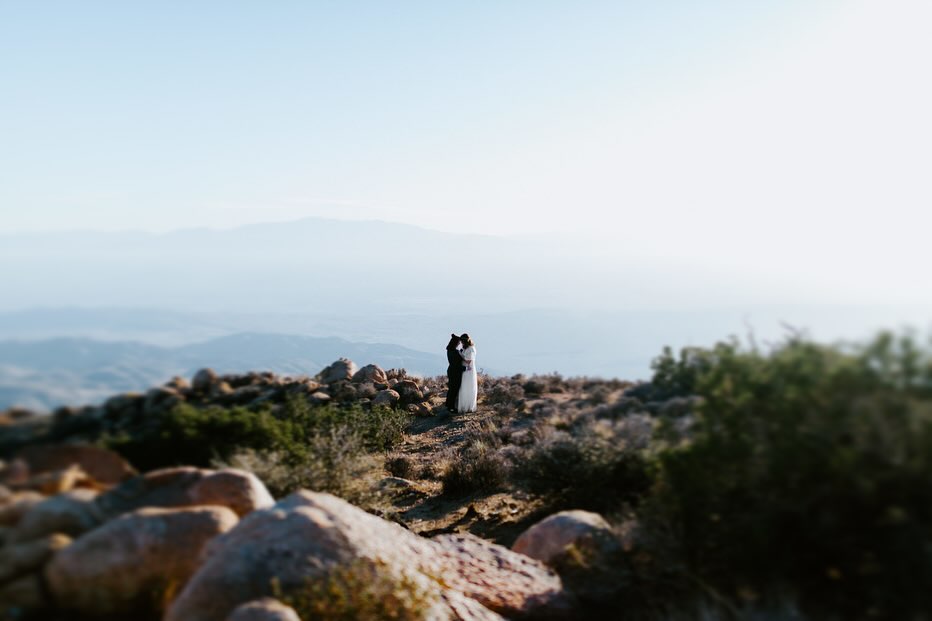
372, 373
186, 486
265, 609
100, 464
21, 558
342, 369
134, 563
237, 489
311, 538
71, 513
549, 539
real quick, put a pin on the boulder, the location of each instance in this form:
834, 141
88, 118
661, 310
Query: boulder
265, 609
342, 369
584, 550
318, 544
134, 563
549, 539
386, 397
17, 505
319, 398
161, 399
371, 373
220, 390
21, 596
366, 390
22, 558
409, 391
120, 405
178, 384
203, 380
59, 481
71, 513
102, 465
239, 490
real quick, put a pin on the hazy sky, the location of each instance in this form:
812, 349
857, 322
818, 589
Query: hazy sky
780, 133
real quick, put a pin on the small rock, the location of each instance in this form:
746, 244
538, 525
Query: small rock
548, 539
203, 380
386, 397
265, 609
342, 369
160, 399
319, 398
371, 373
409, 391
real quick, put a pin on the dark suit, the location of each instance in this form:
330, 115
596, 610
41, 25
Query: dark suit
454, 373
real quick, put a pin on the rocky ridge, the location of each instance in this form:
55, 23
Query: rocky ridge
83, 535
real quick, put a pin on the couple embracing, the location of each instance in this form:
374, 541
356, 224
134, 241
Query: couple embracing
461, 373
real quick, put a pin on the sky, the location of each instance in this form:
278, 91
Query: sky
769, 137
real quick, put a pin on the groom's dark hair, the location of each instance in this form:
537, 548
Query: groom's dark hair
454, 341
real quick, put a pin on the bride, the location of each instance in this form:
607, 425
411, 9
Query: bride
469, 389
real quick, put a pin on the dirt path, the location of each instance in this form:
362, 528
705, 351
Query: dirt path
419, 502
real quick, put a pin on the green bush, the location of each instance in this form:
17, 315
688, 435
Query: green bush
585, 470
809, 470
300, 446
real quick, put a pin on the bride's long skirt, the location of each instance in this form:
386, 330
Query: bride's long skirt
469, 392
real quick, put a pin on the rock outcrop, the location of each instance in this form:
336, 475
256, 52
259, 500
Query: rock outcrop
311, 542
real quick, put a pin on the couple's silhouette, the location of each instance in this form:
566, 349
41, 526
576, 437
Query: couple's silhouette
463, 390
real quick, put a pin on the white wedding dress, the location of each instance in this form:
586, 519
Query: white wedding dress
469, 390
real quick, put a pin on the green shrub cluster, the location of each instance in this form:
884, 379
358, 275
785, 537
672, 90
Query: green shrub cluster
312, 446
808, 470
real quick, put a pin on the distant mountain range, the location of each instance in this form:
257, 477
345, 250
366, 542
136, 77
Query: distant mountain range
44, 374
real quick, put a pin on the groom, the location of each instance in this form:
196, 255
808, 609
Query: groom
454, 372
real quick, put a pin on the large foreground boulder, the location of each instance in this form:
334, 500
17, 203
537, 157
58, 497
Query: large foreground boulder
185, 486
320, 549
133, 563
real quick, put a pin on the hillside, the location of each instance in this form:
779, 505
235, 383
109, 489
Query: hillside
736, 483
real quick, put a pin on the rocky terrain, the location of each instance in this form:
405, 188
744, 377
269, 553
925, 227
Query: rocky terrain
85, 535
735, 484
